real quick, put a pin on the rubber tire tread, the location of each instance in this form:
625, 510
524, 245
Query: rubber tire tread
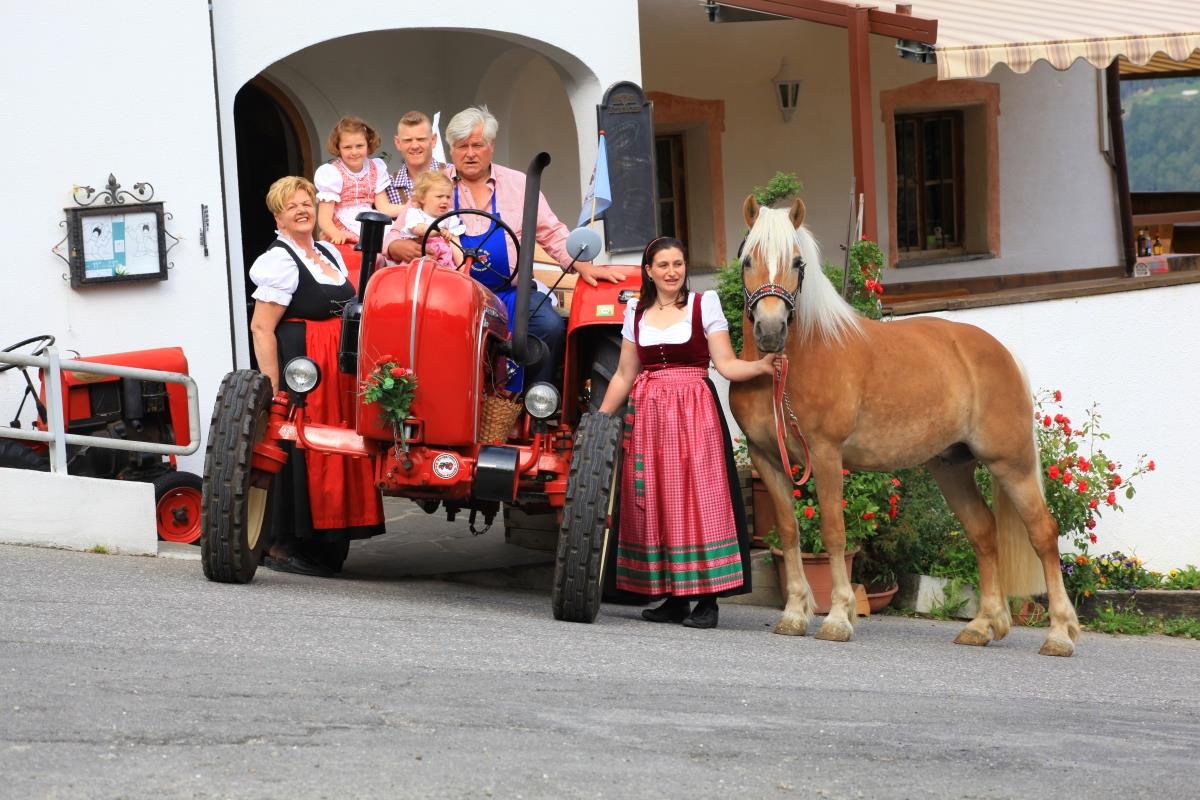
176, 479
15, 455
605, 359
225, 554
578, 567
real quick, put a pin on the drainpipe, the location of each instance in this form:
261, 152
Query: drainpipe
1112, 79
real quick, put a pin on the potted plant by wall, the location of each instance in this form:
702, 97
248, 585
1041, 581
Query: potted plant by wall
870, 501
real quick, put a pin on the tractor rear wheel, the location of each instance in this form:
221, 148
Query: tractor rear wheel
236, 498
605, 358
583, 539
15, 455
177, 498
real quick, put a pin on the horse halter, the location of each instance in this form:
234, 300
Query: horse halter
769, 290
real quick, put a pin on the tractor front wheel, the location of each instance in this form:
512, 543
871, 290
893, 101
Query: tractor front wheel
583, 539
236, 497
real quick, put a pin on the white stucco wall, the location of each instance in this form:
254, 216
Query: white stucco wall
1057, 195
90, 92
1131, 352
498, 39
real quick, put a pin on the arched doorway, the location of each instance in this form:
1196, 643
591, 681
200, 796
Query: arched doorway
271, 143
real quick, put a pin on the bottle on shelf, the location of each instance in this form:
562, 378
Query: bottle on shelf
1157, 248
1143, 242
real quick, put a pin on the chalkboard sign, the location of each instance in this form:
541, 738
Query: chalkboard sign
624, 116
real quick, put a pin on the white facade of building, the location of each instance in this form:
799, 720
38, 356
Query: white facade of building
148, 94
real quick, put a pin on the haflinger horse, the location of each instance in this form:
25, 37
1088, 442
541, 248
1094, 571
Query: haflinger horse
870, 395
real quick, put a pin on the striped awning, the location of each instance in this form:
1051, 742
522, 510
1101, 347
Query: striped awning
974, 36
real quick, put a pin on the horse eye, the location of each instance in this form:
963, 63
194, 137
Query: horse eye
798, 263
746, 263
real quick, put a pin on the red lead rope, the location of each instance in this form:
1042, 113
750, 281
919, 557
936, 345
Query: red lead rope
781, 367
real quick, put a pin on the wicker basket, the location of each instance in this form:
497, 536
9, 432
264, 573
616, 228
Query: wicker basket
498, 418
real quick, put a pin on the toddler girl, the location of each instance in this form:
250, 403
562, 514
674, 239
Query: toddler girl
351, 183
432, 196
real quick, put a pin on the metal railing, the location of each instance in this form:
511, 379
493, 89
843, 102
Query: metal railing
56, 433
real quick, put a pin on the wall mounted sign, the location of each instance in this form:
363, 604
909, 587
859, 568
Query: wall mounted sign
632, 219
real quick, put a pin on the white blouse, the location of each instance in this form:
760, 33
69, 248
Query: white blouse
328, 180
276, 276
415, 216
711, 316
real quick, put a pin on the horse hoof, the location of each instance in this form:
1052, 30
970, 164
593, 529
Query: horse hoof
835, 632
1057, 647
972, 637
791, 627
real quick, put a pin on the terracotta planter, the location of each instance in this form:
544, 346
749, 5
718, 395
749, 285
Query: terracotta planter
881, 600
817, 572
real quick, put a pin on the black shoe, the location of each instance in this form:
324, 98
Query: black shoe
296, 564
673, 609
705, 615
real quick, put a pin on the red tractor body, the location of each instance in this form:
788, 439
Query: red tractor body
453, 334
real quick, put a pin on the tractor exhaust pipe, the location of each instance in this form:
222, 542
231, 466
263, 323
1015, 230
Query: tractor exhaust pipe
370, 244
533, 188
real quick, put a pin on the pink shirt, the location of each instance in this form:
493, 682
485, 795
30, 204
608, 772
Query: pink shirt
509, 186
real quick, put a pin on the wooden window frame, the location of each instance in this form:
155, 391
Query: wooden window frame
678, 183
954, 246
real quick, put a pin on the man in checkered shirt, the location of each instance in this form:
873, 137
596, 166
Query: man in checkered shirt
415, 141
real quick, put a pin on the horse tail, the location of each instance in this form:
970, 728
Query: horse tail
1020, 569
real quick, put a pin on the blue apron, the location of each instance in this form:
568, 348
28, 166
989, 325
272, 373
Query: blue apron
492, 269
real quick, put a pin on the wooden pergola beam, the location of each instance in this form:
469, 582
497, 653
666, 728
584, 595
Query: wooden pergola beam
838, 14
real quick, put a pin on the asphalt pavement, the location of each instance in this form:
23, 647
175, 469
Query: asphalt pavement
133, 677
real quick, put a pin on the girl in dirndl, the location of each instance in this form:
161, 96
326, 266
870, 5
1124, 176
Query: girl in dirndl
352, 182
683, 529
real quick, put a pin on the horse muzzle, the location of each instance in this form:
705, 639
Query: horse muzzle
770, 333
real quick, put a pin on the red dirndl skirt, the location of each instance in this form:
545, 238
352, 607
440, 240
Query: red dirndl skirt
679, 533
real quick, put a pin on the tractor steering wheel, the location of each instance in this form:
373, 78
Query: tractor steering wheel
473, 252
40, 342
520, 326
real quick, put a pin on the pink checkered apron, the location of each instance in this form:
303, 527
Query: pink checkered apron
678, 533
358, 193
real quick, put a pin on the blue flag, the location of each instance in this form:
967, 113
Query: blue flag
599, 193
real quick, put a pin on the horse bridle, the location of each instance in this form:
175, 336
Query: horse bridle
769, 289
780, 404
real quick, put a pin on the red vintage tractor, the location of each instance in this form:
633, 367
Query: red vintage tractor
117, 408
453, 334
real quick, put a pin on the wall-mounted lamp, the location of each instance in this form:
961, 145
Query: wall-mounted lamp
787, 90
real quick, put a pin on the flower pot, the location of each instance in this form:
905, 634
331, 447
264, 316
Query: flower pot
817, 572
926, 594
881, 600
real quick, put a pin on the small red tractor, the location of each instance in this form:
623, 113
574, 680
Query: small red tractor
453, 334
117, 408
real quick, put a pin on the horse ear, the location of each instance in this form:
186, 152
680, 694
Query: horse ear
796, 213
750, 210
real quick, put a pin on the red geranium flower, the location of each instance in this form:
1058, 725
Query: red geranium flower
1082, 486
845, 472
868, 515
808, 512
896, 481
1116, 480
1046, 421
1093, 503
398, 372
1052, 472
1084, 464
1111, 499
1057, 396
1091, 523
1092, 536
1150, 466
795, 492
1067, 477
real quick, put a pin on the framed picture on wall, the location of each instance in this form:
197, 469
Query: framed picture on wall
115, 244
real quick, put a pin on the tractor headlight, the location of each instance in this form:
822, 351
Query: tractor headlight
301, 375
541, 400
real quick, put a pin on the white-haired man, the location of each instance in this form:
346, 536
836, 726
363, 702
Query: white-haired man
481, 184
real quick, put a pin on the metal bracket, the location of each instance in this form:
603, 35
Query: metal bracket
112, 193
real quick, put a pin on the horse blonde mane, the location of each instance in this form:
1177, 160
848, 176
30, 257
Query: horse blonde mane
820, 309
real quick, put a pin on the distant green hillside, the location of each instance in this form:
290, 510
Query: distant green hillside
1162, 134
